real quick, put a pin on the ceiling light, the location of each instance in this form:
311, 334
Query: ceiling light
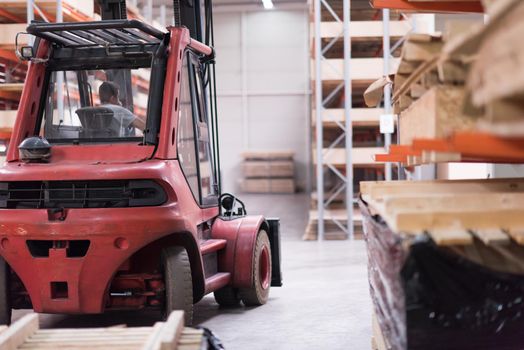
268, 4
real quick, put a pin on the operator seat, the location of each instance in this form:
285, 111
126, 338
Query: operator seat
97, 122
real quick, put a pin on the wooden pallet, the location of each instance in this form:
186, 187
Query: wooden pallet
26, 334
331, 230
481, 219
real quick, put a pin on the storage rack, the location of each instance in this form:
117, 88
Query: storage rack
348, 50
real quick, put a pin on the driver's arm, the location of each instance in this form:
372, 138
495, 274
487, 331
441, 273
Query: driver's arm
139, 123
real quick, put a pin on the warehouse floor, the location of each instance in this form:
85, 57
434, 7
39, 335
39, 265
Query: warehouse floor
324, 303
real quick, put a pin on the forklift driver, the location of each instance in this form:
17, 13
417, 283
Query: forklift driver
127, 121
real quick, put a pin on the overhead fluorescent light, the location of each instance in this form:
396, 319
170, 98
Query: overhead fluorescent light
268, 4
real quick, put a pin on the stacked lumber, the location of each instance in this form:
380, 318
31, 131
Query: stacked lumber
495, 84
446, 261
429, 88
268, 172
26, 334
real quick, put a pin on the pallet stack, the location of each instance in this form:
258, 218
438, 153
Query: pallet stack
366, 63
268, 172
26, 334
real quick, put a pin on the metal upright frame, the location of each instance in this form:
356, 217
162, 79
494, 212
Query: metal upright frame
346, 180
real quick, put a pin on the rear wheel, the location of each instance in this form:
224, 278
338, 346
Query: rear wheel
178, 282
258, 293
5, 302
227, 296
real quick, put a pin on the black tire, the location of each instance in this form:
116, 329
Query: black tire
227, 297
258, 293
5, 300
178, 282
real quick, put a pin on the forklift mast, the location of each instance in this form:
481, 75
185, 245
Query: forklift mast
111, 10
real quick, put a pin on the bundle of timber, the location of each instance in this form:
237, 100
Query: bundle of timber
335, 223
446, 262
26, 334
268, 172
495, 84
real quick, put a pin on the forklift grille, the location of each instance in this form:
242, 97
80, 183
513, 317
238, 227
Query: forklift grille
80, 194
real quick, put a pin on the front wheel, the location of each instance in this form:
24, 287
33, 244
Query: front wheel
178, 282
258, 293
5, 300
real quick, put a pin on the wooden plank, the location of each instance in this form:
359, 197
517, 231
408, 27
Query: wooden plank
436, 114
7, 119
361, 156
271, 169
152, 342
8, 34
364, 29
383, 188
450, 237
268, 155
359, 116
270, 185
491, 236
172, 330
17, 334
361, 68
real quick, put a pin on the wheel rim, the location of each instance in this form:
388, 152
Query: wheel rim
263, 268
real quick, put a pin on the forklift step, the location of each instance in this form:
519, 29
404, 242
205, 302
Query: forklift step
217, 281
212, 245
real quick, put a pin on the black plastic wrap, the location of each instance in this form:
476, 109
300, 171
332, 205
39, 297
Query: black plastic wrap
428, 297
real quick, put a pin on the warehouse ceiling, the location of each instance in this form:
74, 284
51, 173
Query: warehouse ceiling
219, 5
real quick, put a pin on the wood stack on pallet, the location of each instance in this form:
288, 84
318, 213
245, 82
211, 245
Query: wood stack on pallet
446, 262
366, 62
460, 84
268, 172
26, 334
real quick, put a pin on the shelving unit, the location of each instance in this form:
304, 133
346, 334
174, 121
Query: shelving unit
350, 52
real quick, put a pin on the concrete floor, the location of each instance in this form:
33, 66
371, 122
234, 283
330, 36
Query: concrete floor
324, 303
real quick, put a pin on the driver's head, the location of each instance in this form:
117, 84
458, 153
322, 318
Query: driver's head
108, 92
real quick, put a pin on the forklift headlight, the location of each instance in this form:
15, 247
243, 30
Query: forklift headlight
146, 193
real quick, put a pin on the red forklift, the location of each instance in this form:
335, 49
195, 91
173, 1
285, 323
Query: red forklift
112, 200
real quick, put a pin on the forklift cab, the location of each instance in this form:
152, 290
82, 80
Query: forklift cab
104, 83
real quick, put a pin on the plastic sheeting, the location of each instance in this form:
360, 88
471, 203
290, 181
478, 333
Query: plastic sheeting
427, 297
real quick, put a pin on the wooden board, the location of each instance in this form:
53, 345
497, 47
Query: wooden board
364, 29
268, 185
268, 155
73, 10
273, 169
361, 68
361, 156
436, 114
359, 116
8, 34
451, 212
7, 119
332, 231
25, 334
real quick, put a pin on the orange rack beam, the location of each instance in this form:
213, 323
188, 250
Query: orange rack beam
472, 146
5, 133
429, 6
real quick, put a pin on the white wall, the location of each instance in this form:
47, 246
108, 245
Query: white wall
263, 86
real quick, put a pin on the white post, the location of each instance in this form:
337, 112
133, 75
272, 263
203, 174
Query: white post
319, 108
347, 113
386, 46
